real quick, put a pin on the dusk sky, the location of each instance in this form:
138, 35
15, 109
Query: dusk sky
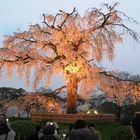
18, 14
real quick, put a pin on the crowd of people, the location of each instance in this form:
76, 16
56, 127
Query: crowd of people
77, 131
80, 130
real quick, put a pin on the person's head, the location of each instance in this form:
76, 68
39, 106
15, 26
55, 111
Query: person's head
91, 125
49, 130
2, 118
80, 124
3, 125
55, 125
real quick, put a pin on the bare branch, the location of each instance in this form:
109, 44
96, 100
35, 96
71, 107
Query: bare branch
58, 90
55, 19
67, 16
1, 65
130, 31
127, 17
117, 78
44, 21
110, 7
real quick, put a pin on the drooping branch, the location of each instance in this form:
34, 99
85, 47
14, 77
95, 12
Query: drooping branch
114, 86
130, 31
117, 78
72, 45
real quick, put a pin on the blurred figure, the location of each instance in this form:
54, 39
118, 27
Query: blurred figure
136, 127
71, 127
96, 134
81, 132
6, 132
51, 125
48, 133
59, 134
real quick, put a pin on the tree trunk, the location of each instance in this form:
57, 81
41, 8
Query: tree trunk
119, 111
72, 95
18, 111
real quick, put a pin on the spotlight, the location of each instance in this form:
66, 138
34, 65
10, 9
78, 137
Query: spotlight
88, 112
95, 112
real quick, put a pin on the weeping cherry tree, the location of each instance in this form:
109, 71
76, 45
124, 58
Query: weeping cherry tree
72, 45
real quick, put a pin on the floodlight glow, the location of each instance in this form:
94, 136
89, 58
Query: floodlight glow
95, 112
73, 68
88, 112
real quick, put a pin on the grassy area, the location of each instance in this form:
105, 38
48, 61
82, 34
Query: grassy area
109, 130
113, 130
106, 129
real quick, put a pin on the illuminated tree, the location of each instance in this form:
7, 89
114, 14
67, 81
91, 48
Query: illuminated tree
35, 102
72, 45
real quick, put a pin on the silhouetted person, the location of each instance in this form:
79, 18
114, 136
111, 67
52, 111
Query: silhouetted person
81, 132
6, 133
136, 127
48, 133
71, 127
58, 133
96, 134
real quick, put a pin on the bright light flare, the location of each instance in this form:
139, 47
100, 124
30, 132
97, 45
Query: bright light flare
73, 68
88, 112
96, 112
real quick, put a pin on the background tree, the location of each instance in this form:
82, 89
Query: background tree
36, 102
3, 106
72, 45
8, 94
11, 93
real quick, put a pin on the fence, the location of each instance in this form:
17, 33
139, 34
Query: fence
69, 118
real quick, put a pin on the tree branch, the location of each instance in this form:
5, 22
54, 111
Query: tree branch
117, 78
58, 90
67, 16
44, 21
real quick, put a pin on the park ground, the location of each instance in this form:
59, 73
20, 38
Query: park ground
108, 130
